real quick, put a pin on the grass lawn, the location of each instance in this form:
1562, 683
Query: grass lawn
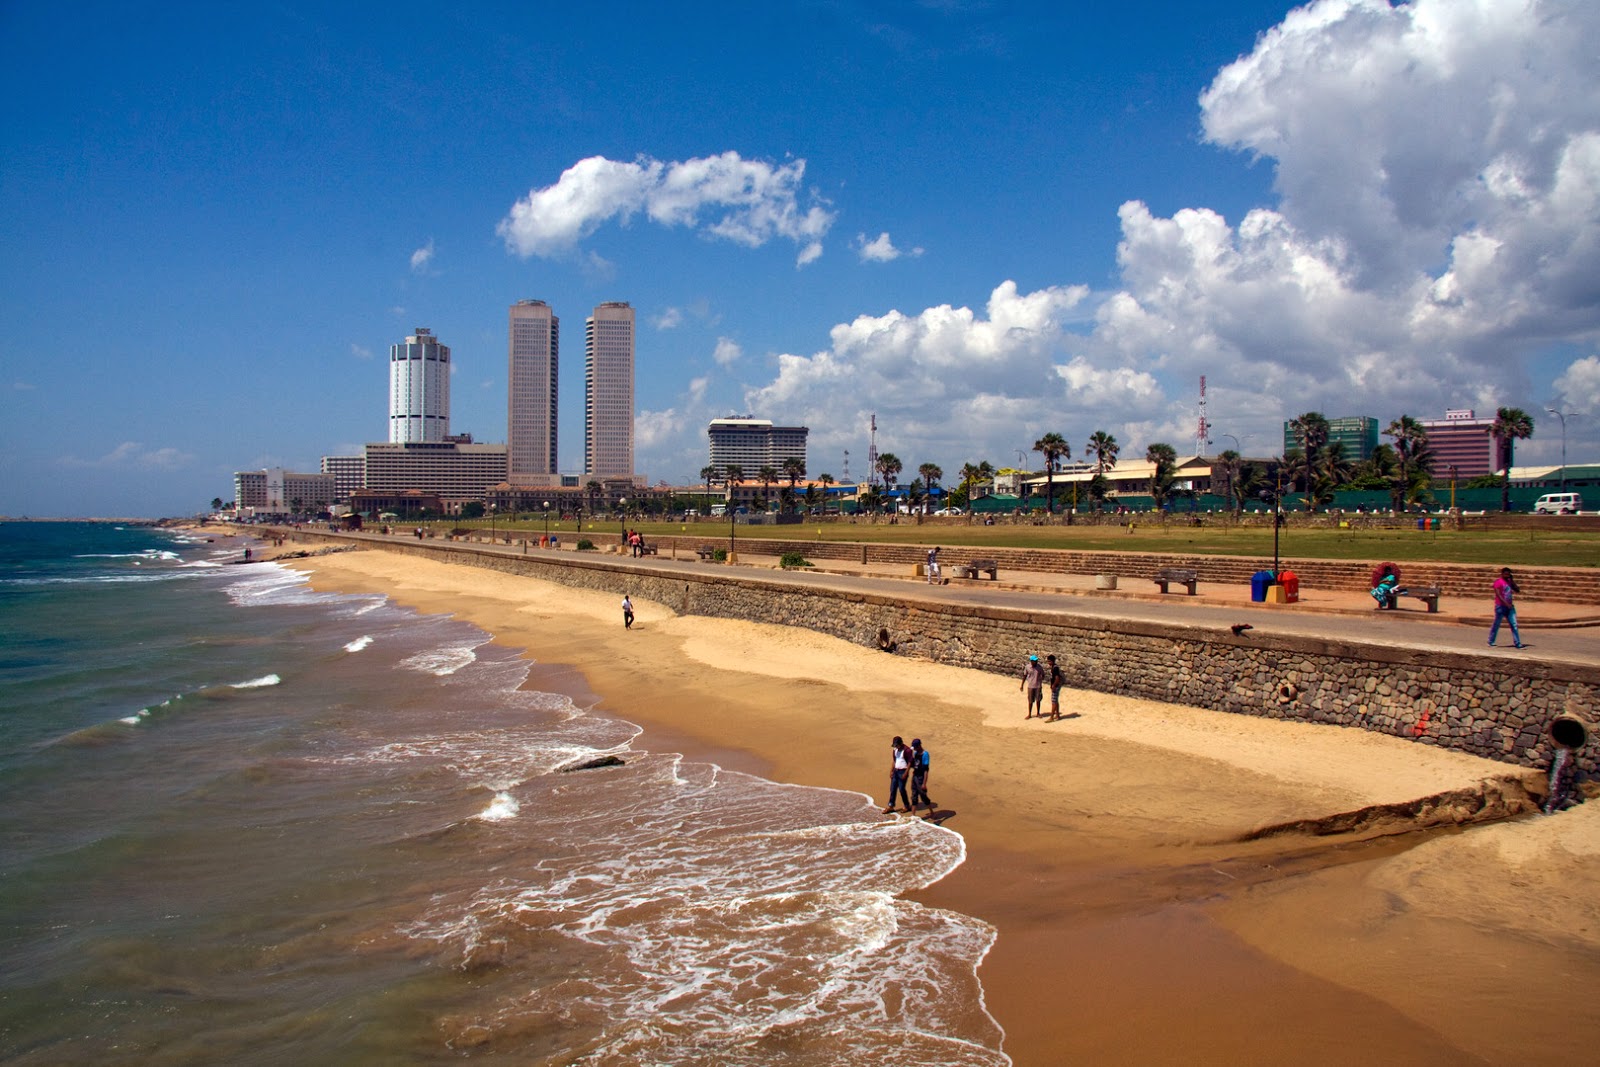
1550, 546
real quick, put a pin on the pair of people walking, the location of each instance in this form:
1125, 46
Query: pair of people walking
909, 763
1035, 676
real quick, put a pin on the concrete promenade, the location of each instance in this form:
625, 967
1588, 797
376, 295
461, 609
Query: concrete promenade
1553, 632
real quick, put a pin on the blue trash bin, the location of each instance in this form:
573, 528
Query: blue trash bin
1259, 582
1422, 524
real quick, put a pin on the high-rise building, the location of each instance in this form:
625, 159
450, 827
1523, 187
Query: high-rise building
608, 392
1463, 445
1357, 436
531, 393
419, 389
349, 473
753, 443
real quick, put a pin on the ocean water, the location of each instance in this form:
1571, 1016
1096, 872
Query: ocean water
244, 823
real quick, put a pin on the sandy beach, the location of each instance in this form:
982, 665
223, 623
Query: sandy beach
1135, 923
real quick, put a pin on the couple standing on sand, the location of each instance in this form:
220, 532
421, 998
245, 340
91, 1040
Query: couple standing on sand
909, 761
1034, 677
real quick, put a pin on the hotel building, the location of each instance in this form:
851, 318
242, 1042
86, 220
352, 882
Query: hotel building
534, 339
754, 443
608, 392
419, 389
455, 470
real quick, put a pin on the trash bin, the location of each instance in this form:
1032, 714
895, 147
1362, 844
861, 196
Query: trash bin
1433, 523
1259, 581
1422, 524
1291, 587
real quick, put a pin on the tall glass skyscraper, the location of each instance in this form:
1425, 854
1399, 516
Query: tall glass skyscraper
419, 389
531, 396
608, 392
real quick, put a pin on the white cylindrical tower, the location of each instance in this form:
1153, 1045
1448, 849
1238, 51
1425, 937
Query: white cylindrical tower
419, 389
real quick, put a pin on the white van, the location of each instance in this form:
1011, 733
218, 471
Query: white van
1558, 504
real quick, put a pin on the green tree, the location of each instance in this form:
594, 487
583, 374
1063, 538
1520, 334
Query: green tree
1510, 426
733, 474
888, 468
708, 475
216, 503
1104, 448
1231, 463
931, 474
768, 477
594, 489
1054, 448
1165, 458
1413, 460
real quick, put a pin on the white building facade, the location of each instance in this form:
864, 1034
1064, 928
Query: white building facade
419, 389
752, 443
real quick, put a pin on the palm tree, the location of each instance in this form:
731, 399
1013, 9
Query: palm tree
1165, 458
889, 467
1510, 426
707, 475
1054, 448
733, 474
931, 474
970, 472
1104, 448
768, 477
1230, 461
794, 469
1413, 465
594, 489
1311, 430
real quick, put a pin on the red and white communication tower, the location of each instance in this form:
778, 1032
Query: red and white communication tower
872, 451
1202, 437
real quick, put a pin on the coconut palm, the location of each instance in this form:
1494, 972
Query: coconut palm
1230, 463
931, 473
708, 475
889, 467
1165, 458
1054, 448
733, 474
594, 489
768, 477
1510, 426
1104, 448
1413, 466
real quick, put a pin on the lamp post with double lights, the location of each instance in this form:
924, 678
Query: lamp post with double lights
1562, 415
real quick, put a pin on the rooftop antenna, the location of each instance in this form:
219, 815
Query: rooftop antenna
1202, 438
845, 477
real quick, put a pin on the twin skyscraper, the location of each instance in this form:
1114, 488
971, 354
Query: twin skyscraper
419, 388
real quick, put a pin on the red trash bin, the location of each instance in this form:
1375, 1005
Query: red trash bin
1291, 587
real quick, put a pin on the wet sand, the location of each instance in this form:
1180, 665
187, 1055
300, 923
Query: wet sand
1105, 848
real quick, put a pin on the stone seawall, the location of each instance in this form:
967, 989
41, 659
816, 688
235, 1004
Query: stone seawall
1495, 707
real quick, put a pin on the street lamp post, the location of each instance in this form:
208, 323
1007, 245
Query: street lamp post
547, 522
1562, 415
622, 519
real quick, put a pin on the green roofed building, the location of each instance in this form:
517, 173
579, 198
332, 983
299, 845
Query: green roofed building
1358, 434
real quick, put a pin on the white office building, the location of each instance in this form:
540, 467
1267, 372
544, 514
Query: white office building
419, 389
608, 392
753, 443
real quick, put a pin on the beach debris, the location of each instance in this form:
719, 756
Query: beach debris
1240, 627
595, 764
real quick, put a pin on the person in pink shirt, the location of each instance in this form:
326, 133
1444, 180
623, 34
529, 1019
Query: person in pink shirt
1505, 608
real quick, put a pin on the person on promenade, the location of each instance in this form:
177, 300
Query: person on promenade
1033, 683
1056, 680
1505, 608
920, 763
899, 768
933, 565
627, 612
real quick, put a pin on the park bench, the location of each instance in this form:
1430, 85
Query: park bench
973, 568
649, 550
706, 552
1186, 576
1428, 594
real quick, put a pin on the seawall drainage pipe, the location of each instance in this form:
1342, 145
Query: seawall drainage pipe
1569, 731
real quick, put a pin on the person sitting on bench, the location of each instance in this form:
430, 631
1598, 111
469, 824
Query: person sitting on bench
1388, 592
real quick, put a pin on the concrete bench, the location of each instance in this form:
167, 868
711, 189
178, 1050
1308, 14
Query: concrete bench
706, 552
1428, 594
973, 568
1184, 576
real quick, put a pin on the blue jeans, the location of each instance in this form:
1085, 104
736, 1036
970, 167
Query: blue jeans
1509, 614
897, 786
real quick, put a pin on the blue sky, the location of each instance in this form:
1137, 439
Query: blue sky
982, 221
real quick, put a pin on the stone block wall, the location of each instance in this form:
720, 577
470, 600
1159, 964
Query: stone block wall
1495, 707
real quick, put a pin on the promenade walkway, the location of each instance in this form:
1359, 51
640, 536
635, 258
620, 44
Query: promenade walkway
1551, 631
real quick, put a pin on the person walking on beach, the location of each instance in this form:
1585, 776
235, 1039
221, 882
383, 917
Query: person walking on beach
1032, 683
899, 768
1505, 608
627, 612
933, 565
920, 762
1056, 680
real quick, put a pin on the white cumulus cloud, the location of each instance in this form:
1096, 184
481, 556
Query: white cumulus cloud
727, 352
422, 258
747, 201
880, 249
